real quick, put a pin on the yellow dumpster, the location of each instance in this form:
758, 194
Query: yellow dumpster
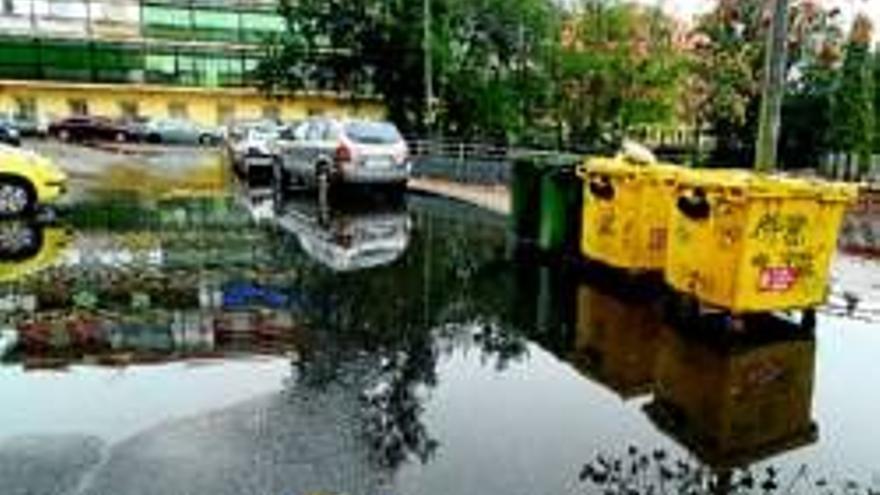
752, 243
626, 212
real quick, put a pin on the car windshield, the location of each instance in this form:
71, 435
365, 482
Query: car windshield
372, 133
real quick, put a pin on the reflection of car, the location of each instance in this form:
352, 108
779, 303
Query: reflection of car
9, 135
348, 240
27, 248
324, 151
85, 128
27, 180
26, 126
250, 147
178, 131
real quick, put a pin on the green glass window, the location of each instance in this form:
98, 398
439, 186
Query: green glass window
117, 56
17, 52
166, 21
257, 27
216, 25
64, 55
161, 68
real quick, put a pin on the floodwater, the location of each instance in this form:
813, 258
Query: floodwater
176, 334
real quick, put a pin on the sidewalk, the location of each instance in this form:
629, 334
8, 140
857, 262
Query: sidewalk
494, 198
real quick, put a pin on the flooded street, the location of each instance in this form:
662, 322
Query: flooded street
173, 333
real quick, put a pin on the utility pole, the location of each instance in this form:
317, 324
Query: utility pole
429, 66
773, 88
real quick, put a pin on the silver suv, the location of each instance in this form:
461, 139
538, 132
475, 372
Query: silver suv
325, 151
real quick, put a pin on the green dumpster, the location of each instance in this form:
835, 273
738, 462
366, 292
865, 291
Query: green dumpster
561, 192
525, 195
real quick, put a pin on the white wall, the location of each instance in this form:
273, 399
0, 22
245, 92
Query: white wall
70, 18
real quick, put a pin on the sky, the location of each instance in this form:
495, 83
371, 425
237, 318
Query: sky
687, 8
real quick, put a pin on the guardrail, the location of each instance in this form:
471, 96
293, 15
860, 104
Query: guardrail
474, 163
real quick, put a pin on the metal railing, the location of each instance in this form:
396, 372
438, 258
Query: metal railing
477, 163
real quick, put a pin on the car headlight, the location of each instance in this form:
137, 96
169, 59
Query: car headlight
13, 133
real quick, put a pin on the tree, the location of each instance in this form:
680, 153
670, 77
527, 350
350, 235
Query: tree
619, 67
729, 61
488, 55
853, 112
877, 101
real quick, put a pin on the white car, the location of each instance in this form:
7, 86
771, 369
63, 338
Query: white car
250, 148
324, 151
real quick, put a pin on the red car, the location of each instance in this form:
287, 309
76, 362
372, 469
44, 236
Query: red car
91, 129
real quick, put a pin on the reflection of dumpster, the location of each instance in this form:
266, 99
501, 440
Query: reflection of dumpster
616, 341
626, 212
736, 402
751, 243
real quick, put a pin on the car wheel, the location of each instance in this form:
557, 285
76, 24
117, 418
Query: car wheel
120, 137
19, 241
64, 135
154, 138
17, 197
208, 140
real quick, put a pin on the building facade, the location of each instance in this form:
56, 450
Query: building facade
156, 58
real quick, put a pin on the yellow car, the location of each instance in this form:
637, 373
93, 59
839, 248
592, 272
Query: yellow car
26, 181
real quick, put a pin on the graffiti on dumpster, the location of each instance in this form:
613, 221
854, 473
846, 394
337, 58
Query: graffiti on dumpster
606, 224
657, 241
774, 227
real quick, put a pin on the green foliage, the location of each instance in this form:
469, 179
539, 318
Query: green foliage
807, 118
619, 68
853, 109
488, 58
729, 63
508, 71
877, 101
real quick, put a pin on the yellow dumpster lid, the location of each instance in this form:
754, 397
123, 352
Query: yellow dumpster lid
750, 184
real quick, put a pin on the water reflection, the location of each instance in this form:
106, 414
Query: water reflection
347, 235
27, 247
617, 340
736, 399
371, 301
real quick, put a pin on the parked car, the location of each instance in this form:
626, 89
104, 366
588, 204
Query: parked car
250, 146
27, 180
9, 135
137, 127
179, 131
326, 151
91, 128
26, 126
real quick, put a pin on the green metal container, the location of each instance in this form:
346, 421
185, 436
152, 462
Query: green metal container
525, 196
561, 193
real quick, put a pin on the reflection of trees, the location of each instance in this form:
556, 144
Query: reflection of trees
640, 472
388, 325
